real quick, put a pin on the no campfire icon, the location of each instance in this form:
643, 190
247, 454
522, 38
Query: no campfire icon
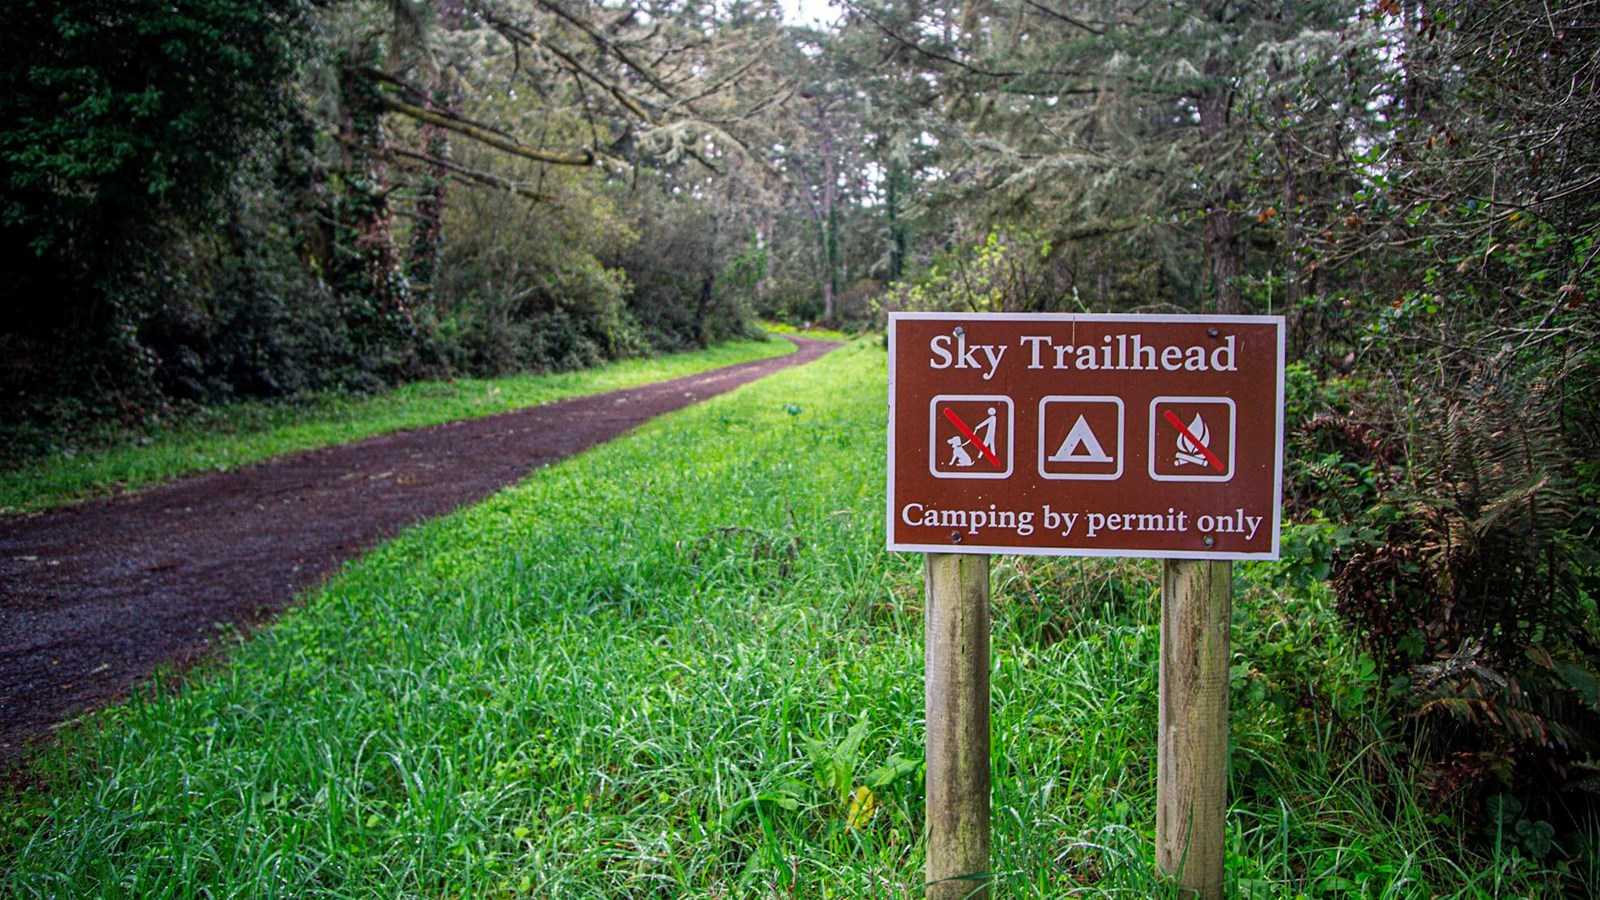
1192, 438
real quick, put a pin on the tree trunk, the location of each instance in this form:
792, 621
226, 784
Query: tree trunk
830, 239
427, 236
702, 309
898, 243
373, 271
764, 242
1225, 257
1223, 249
1293, 283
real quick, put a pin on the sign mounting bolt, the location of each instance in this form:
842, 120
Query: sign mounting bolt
955, 537
1209, 541
1213, 332
960, 330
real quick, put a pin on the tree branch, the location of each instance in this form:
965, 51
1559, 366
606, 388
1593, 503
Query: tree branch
516, 33
397, 156
1065, 18
484, 136
646, 72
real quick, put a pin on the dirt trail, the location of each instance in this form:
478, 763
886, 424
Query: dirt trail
94, 597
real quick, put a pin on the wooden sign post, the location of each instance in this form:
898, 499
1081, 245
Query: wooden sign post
956, 618
1081, 435
1192, 743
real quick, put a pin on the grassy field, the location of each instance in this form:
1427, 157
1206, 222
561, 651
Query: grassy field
241, 433
683, 665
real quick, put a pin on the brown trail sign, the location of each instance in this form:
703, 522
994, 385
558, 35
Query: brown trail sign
1155, 436
1083, 435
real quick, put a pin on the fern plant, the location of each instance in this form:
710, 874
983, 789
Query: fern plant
1474, 598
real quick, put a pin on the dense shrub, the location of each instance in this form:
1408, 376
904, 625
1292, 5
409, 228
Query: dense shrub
521, 288
691, 283
121, 124
1007, 272
244, 316
786, 300
1475, 589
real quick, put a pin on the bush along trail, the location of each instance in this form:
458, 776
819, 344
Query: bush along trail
682, 664
94, 597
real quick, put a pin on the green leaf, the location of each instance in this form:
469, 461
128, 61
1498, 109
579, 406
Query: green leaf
738, 810
1581, 680
849, 752
1503, 809
1536, 837
895, 768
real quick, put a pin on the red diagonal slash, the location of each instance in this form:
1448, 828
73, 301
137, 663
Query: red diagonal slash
1193, 440
962, 426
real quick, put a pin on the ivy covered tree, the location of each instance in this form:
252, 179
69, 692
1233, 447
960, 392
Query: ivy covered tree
120, 122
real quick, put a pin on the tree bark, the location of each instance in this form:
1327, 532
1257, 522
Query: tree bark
1225, 256
427, 236
1223, 249
484, 136
830, 239
376, 272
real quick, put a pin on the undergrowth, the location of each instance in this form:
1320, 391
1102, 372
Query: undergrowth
683, 665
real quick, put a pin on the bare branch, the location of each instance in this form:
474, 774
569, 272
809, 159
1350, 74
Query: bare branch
515, 33
485, 136
1065, 18
398, 156
646, 72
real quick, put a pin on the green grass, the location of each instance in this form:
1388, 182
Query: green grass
231, 436
665, 667
816, 331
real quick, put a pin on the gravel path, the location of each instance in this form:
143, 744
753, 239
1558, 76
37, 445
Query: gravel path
95, 597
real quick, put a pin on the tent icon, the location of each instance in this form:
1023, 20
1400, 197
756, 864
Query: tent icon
1080, 438
1081, 445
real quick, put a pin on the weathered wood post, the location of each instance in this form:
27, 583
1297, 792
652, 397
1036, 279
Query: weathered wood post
956, 646
1192, 748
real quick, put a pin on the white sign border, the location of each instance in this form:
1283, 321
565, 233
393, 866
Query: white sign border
1107, 318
